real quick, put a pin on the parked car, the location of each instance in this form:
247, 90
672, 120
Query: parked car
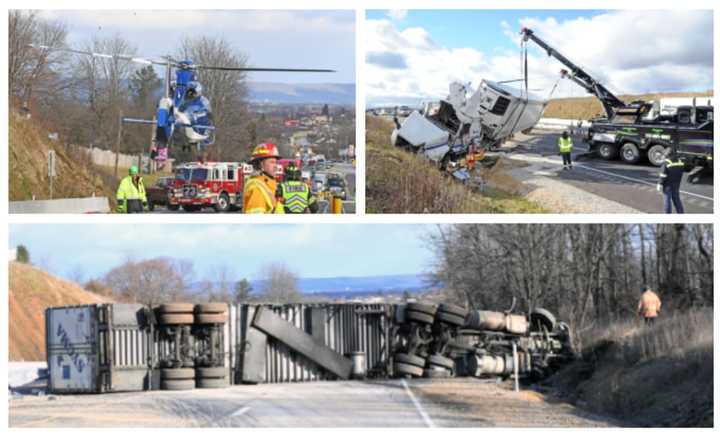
336, 186
157, 194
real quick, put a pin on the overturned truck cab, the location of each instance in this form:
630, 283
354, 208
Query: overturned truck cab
446, 132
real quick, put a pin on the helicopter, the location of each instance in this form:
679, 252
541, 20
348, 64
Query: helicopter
183, 107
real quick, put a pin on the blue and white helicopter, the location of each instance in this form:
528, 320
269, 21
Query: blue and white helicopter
183, 106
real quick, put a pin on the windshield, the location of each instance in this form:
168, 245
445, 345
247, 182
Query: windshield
194, 174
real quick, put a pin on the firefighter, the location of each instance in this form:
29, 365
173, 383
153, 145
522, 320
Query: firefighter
294, 194
649, 305
259, 195
565, 146
671, 174
131, 193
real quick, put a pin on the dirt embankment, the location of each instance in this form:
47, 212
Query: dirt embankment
29, 146
652, 377
31, 291
590, 107
400, 182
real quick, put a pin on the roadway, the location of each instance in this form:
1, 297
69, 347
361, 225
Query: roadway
631, 185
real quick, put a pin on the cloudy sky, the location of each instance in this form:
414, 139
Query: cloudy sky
414, 55
270, 38
313, 250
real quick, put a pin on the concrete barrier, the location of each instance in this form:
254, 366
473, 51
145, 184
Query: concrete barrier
98, 204
575, 126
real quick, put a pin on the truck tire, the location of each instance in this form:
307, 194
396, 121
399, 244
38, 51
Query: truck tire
437, 374
175, 374
608, 151
206, 319
416, 316
453, 309
176, 319
656, 154
540, 317
408, 358
450, 319
402, 369
423, 308
211, 308
629, 153
211, 372
212, 383
177, 384
190, 208
441, 361
223, 204
176, 308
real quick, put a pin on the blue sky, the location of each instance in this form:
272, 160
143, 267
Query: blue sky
312, 250
271, 38
413, 56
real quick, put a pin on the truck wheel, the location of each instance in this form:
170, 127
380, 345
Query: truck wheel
629, 153
450, 319
223, 204
540, 317
212, 383
423, 308
441, 361
177, 384
656, 155
437, 374
173, 207
211, 308
175, 374
453, 309
151, 206
176, 308
416, 316
211, 372
408, 358
190, 208
176, 319
402, 369
206, 319
607, 151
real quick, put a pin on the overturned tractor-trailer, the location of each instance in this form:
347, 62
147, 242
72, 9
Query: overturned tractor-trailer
130, 347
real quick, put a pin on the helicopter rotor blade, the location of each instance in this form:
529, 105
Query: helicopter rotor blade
126, 57
252, 69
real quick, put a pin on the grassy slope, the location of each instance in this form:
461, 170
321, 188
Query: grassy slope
28, 151
30, 292
398, 182
589, 107
660, 376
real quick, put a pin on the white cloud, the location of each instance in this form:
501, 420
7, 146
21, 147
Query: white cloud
397, 14
630, 51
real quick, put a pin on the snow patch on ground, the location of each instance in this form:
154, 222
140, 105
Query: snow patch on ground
20, 373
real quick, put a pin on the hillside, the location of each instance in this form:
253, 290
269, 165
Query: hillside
28, 169
400, 182
589, 107
30, 292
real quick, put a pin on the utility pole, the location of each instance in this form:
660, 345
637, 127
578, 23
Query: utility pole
117, 143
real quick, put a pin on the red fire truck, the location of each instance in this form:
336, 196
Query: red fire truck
208, 184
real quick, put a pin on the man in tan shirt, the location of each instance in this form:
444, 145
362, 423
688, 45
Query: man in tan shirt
649, 305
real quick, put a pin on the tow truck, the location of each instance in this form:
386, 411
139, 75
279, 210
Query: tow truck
634, 130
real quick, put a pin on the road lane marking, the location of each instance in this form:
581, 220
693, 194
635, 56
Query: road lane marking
240, 411
420, 410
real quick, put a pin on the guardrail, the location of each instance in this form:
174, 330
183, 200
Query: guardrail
98, 204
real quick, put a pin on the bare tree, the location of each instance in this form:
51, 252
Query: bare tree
280, 284
149, 282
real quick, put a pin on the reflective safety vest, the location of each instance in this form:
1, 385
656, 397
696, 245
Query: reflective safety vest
296, 196
672, 172
259, 195
128, 191
565, 145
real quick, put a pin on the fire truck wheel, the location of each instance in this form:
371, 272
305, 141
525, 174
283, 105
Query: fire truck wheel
441, 361
177, 384
422, 308
190, 208
416, 316
211, 372
450, 319
608, 151
656, 154
176, 319
204, 319
629, 153
402, 369
176, 308
173, 207
175, 374
408, 358
223, 203
453, 309
212, 308
212, 383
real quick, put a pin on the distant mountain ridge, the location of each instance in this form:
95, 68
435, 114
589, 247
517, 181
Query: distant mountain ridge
296, 93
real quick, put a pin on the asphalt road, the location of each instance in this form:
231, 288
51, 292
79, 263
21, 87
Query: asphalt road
464, 402
630, 185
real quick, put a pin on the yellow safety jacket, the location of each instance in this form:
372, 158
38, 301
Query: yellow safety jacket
649, 305
296, 196
259, 195
565, 145
128, 191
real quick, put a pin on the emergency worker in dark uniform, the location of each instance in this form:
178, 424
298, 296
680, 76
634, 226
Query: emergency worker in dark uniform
671, 174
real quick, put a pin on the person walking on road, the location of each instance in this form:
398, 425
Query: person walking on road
649, 306
294, 194
565, 146
259, 195
130, 194
671, 174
